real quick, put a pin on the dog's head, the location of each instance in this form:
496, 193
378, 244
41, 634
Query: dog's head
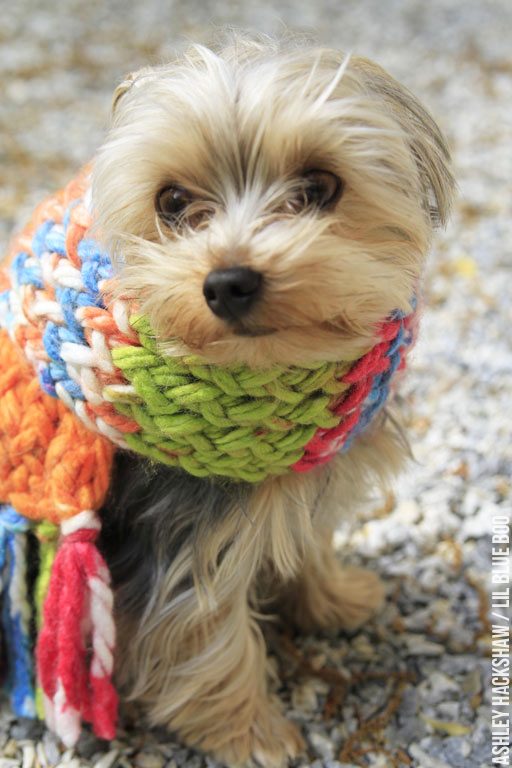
269, 202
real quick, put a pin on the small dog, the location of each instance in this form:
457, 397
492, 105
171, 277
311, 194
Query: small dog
266, 203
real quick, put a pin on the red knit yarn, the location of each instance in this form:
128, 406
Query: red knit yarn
74, 676
326, 442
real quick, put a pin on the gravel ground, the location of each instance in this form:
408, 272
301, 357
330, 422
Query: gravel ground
411, 689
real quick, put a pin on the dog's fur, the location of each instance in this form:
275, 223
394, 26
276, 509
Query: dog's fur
197, 562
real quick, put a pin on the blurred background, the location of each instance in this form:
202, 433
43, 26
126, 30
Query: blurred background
59, 63
411, 689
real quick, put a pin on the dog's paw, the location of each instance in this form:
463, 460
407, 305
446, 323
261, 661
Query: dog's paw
276, 740
362, 596
270, 742
346, 601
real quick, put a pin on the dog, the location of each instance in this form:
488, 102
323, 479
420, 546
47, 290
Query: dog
266, 202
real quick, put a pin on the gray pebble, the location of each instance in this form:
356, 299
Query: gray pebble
88, 745
51, 748
438, 687
449, 711
472, 682
321, 744
108, 759
26, 728
424, 760
418, 645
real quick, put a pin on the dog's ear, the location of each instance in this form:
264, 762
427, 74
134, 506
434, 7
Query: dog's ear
133, 79
427, 143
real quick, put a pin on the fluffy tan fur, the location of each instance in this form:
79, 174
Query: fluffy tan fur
197, 661
238, 127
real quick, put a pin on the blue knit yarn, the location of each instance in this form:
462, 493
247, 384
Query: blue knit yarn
379, 392
27, 274
95, 266
13, 529
39, 239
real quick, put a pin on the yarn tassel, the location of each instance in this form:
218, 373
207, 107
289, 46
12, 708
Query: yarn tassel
48, 536
16, 612
75, 647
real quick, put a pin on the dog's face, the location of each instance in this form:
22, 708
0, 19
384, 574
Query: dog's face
269, 206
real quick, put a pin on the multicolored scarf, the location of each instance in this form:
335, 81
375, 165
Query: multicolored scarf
81, 376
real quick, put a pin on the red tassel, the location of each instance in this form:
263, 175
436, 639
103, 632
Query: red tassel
76, 642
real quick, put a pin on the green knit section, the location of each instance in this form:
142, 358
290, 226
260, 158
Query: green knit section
231, 421
48, 536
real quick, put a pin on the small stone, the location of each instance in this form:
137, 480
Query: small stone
149, 760
418, 621
409, 704
107, 760
480, 525
29, 756
363, 648
73, 762
408, 511
456, 750
379, 760
51, 748
182, 756
168, 749
423, 758
432, 579
437, 687
397, 535
41, 755
461, 638
10, 749
322, 745
88, 745
448, 710
480, 740
195, 761
472, 682
123, 762
304, 698
335, 764
27, 728
418, 645
465, 749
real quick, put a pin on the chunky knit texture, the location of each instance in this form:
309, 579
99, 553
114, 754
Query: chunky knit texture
81, 376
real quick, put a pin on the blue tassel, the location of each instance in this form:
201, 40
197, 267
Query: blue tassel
16, 611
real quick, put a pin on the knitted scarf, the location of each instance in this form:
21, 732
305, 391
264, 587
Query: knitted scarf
81, 378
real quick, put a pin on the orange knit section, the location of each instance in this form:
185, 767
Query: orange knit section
51, 466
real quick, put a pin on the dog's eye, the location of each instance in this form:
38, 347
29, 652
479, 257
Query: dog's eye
171, 203
322, 188
319, 189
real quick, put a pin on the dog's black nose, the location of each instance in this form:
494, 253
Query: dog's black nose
230, 293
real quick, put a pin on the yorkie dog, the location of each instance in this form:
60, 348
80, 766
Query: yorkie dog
266, 203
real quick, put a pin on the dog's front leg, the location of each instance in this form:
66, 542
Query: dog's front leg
216, 697
196, 658
327, 595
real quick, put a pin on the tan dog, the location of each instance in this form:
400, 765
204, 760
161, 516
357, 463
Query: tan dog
268, 202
